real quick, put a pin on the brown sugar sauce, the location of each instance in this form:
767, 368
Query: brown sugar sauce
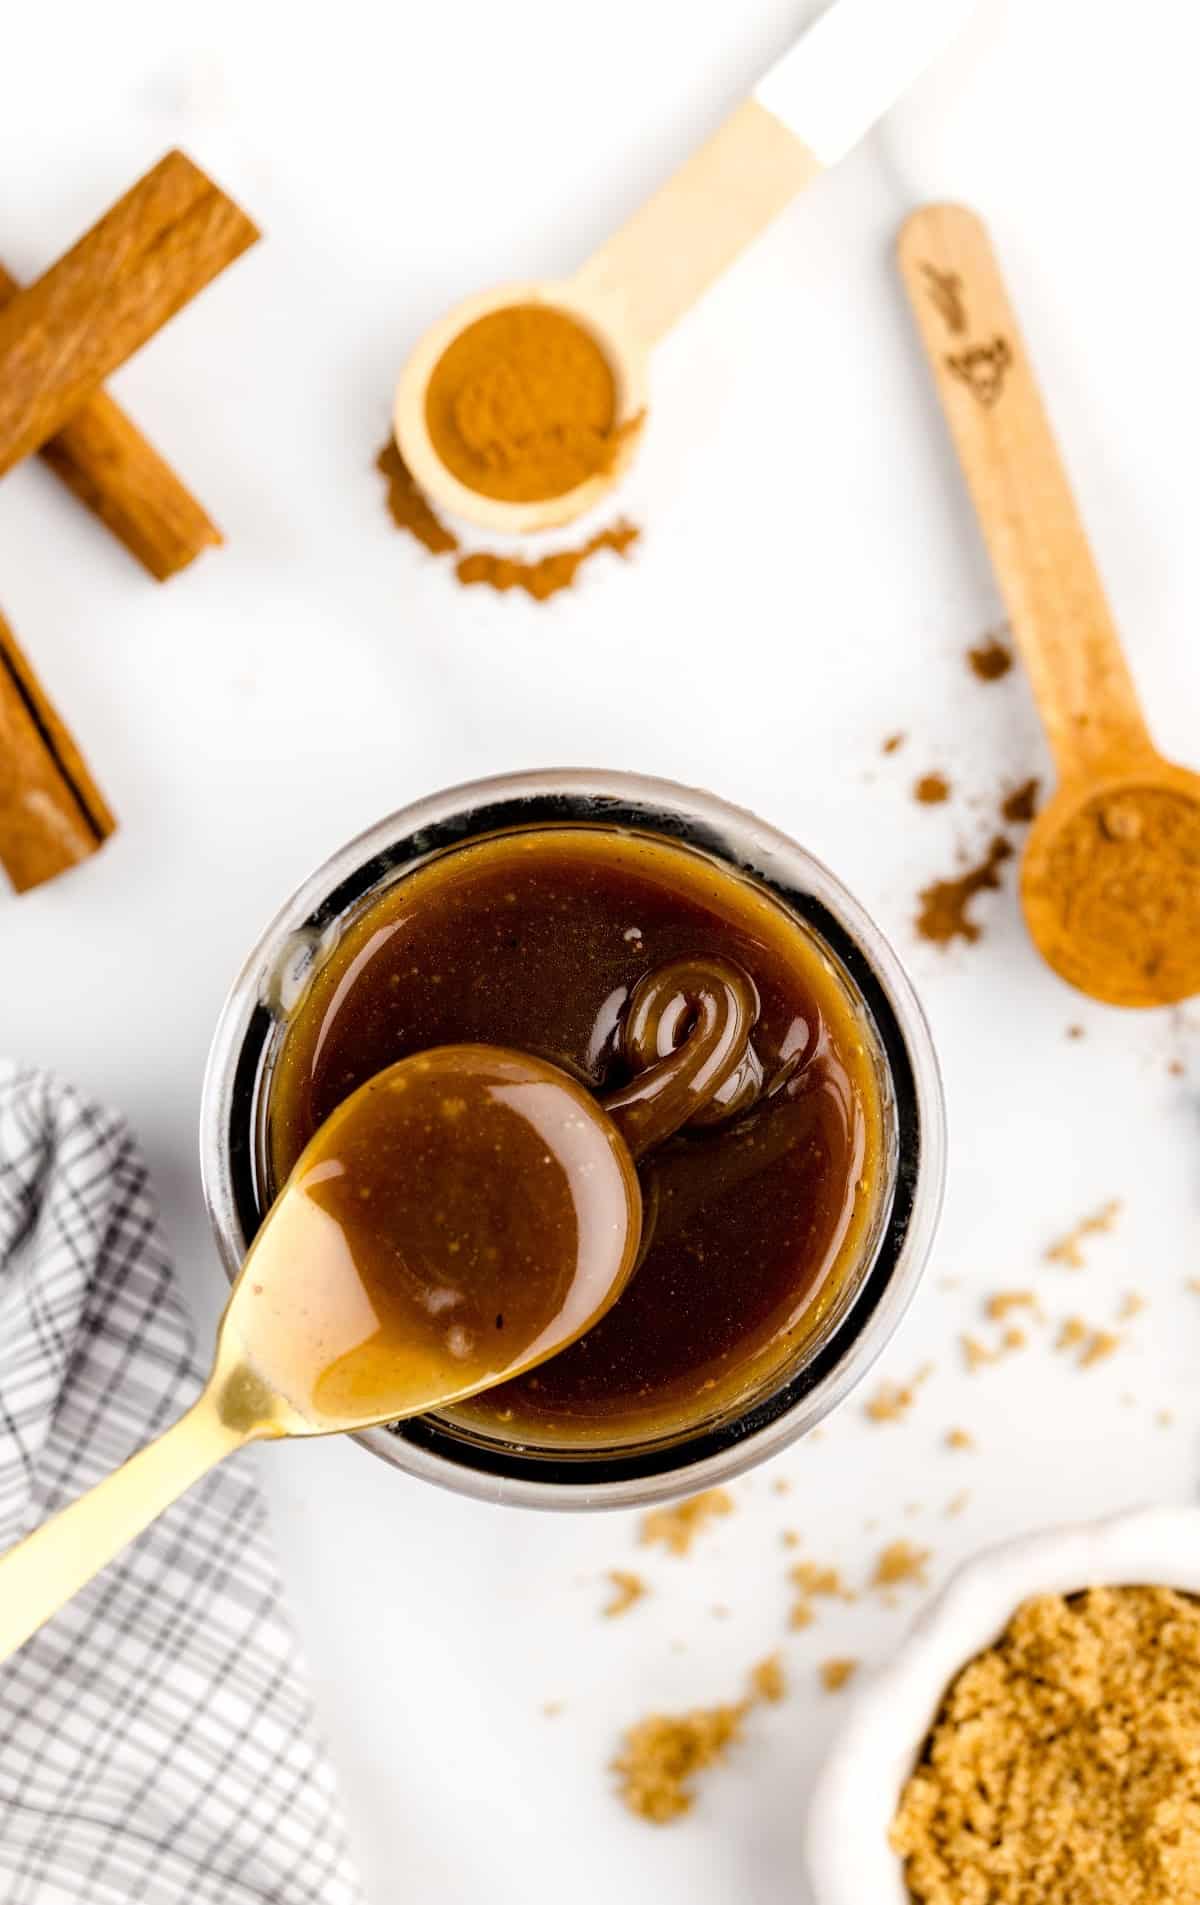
754, 1213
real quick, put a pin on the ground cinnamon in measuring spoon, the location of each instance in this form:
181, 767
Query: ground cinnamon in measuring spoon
522, 406
1122, 882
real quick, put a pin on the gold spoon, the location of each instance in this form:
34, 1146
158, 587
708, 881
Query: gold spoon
464, 1215
1110, 882
805, 113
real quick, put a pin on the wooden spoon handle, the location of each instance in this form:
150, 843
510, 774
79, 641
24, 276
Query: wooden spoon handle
658, 264
44, 1571
1022, 497
806, 112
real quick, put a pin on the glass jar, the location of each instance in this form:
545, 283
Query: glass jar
875, 1290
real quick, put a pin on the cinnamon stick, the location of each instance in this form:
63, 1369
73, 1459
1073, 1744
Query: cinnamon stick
106, 462
59, 339
52, 814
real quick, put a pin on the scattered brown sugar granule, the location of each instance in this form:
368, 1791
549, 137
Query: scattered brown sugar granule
977, 1355
1073, 1332
1164, 1419
893, 1400
931, 790
768, 1680
943, 914
790, 1538
677, 1527
549, 574
1101, 1345
1177, 1068
893, 743
628, 1590
813, 1582
1194, 1285
812, 1578
990, 659
900, 1562
551, 1709
998, 1306
781, 1486
957, 1503
1063, 1765
1020, 805
662, 1755
1094, 1346
959, 1439
1068, 1250
835, 1673
1074, 1031
1132, 1304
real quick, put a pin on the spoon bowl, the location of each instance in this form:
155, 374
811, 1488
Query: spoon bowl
465, 1214
627, 358
1128, 845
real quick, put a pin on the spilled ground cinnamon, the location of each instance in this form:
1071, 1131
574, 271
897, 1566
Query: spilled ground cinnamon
944, 905
1020, 805
408, 506
52, 814
990, 660
549, 574
105, 461
931, 790
542, 578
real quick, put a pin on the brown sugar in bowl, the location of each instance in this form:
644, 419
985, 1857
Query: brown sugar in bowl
849, 1852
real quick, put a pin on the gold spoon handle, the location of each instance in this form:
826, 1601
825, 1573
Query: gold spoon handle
41, 1573
1035, 537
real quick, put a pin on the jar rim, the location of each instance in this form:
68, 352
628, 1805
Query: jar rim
690, 817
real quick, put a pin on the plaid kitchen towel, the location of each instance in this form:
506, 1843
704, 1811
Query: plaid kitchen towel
156, 1737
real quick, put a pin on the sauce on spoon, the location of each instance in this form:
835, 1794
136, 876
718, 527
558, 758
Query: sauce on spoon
464, 1215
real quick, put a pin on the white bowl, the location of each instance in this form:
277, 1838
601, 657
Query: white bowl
854, 1803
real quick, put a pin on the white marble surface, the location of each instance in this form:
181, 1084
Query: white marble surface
809, 580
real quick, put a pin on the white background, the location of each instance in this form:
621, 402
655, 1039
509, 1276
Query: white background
809, 580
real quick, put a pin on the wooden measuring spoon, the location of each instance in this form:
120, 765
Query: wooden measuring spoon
804, 115
460, 1218
1110, 881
